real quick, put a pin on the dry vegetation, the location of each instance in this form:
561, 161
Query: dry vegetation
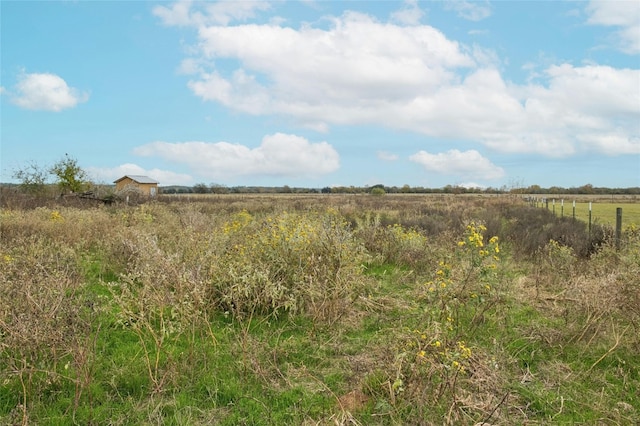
315, 309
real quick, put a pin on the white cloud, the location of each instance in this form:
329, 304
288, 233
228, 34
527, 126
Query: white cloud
278, 155
471, 185
470, 10
386, 156
362, 71
468, 164
190, 66
165, 177
409, 14
351, 73
583, 109
47, 92
178, 14
181, 12
622, 14
241, 92
224, 12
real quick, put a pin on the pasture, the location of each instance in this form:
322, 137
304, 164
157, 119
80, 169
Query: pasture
603, 208
604, 212
318, 310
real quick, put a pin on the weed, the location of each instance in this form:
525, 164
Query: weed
287, 262
315, 310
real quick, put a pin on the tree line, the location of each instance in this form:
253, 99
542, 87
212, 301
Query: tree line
69, 177
380, 189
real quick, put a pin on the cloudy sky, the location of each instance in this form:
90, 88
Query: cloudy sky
322, 93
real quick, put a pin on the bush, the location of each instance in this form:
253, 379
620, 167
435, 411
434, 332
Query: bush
392, 242
44, 320
529, 229
287, 262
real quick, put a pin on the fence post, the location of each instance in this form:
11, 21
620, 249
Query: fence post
589, 217
574, 209
553, 203
618, 227
562, 208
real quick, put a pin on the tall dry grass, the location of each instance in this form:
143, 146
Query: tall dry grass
73, 278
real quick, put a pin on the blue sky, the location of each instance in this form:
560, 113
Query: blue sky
319, 93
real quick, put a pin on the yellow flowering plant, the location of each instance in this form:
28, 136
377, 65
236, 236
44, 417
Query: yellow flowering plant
392, 244
460, 291
287, 262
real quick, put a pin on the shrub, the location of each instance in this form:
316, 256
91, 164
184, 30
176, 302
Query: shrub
161, 298
529, 229
392, 243
43, 320
436, 362
287, 262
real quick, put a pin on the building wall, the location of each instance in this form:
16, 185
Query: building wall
148, 189
120, 185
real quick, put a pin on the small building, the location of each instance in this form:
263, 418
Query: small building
142, 185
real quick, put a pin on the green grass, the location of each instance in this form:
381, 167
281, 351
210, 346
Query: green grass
543, 349
601, 212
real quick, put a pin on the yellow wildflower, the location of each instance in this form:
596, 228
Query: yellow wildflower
56, 216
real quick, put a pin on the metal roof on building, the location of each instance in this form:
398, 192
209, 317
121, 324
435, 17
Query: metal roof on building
138, 179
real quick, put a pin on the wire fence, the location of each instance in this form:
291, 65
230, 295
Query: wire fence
558, 209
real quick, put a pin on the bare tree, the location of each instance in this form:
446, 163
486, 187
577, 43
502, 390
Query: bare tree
32, 177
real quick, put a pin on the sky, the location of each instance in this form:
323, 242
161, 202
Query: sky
325, 93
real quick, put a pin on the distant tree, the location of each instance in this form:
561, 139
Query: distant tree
453, 189
377, 191
32, 177
534, 189
70, 176
326, 190
216, 188
586, 189
200, 188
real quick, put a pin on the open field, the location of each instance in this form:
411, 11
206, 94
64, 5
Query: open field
317, 310
603, 208
585, 198
602, 212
